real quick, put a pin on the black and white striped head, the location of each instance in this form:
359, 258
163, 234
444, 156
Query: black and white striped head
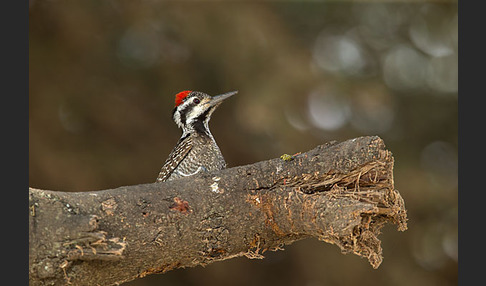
193, 110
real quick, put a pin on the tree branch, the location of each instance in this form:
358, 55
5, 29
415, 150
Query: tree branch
339, 193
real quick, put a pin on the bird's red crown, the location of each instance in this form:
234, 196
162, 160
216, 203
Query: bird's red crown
179, 98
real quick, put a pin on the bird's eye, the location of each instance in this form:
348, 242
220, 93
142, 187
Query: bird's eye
196, 100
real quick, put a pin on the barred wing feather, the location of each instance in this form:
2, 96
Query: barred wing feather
175, 158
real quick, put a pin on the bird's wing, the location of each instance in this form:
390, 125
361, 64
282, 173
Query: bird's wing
175, 158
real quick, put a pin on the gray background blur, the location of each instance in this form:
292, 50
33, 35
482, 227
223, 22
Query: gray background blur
102, 80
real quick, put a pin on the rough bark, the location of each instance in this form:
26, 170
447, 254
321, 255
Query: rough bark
340, 193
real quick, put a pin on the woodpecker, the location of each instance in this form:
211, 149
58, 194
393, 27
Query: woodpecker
196, 151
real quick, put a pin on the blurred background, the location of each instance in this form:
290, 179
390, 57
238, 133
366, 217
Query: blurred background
102, 80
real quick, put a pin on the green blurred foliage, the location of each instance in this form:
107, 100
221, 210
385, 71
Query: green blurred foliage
102, 76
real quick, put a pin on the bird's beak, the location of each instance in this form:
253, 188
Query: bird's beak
215, 100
